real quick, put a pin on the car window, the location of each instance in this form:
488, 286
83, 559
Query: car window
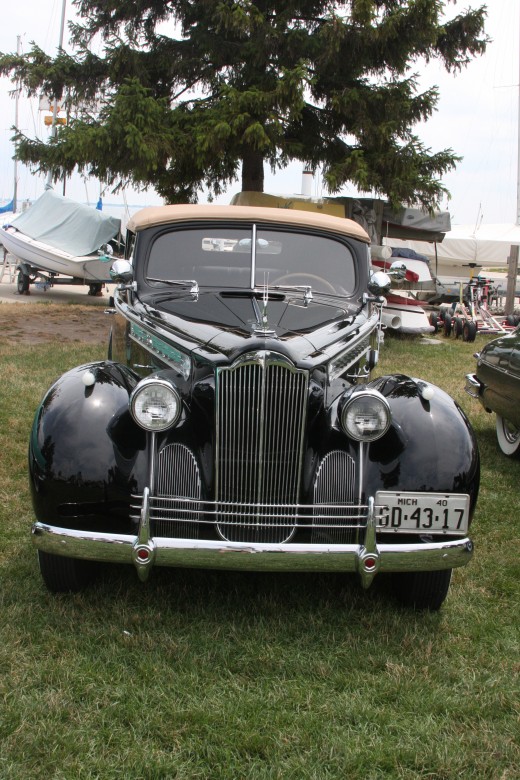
222, 257
324, 264
212, 256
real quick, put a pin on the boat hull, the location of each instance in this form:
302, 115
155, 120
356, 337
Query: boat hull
405, 315
51, 260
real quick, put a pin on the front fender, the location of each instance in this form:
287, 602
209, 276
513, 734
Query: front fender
86, 454
430, 446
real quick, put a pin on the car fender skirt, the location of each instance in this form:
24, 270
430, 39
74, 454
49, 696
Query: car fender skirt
126, 548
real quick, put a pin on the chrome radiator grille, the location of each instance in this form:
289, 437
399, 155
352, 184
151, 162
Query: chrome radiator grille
260, 425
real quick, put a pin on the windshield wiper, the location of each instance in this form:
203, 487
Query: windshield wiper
305, 288
192, 283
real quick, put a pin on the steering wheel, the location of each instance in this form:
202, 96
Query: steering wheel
287, 277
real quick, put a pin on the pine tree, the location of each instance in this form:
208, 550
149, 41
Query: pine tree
187, 93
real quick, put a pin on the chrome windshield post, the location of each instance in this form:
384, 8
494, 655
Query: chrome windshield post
253, 257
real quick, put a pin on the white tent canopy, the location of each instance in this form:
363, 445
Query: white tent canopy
487, 245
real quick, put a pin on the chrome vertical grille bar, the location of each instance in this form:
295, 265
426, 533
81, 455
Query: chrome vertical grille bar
261, 406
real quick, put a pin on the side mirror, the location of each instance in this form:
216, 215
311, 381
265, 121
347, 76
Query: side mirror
379, 283
121, 272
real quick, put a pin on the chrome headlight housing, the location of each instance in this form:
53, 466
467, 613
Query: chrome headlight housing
365, 415
155, 404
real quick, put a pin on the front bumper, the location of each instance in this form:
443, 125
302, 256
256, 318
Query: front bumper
145, 552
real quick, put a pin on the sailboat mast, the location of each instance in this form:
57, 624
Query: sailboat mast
16, 102
48, 184
518, 137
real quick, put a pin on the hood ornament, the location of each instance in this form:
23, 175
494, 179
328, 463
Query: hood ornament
261, 327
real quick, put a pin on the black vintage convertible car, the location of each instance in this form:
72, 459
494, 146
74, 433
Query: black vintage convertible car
496, 384
235, 423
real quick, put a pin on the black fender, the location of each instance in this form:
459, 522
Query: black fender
86, 454
430, 445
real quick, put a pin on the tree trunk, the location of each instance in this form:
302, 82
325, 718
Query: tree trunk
252, 171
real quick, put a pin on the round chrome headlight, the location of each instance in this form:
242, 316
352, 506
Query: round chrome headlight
366, 416
155, 404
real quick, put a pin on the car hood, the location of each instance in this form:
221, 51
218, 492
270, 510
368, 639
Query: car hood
227, 322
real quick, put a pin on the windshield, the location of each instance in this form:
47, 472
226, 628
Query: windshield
223, 257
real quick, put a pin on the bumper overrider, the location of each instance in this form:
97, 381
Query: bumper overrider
145, 551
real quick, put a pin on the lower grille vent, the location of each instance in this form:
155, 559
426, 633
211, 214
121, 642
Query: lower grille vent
177, 475
333, 489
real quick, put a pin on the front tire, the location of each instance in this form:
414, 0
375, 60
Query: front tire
508, 437
422, 589
65, 575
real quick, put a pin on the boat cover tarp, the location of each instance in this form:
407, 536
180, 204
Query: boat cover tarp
415, 224
62, 223
487, 245
7, 207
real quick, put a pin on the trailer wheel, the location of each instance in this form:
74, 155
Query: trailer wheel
95, 289
469, 332
457, 327
447, 324
434, 322
22, 283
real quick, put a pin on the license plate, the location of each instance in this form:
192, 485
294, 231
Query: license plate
422, 513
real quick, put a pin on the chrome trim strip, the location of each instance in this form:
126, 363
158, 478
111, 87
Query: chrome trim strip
155, 331
119, 548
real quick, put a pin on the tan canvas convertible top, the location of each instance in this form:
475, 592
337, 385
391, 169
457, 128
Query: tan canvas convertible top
160, 215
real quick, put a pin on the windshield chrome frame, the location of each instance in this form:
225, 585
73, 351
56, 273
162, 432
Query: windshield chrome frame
253, 256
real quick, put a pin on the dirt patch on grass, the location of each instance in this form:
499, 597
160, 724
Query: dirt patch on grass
39, 323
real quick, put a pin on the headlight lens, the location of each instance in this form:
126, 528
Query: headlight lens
155, 404
366, 416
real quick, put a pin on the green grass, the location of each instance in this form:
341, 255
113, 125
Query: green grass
226, 675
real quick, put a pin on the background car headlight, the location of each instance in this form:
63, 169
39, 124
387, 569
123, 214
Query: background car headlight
155, 404
366, 416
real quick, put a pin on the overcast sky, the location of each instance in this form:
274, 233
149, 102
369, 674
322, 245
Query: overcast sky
478, 117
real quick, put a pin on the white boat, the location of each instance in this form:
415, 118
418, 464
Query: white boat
404, 314
403, 311
465, 248
57, 236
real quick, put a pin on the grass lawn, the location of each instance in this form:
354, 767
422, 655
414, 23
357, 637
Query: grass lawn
229, 676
